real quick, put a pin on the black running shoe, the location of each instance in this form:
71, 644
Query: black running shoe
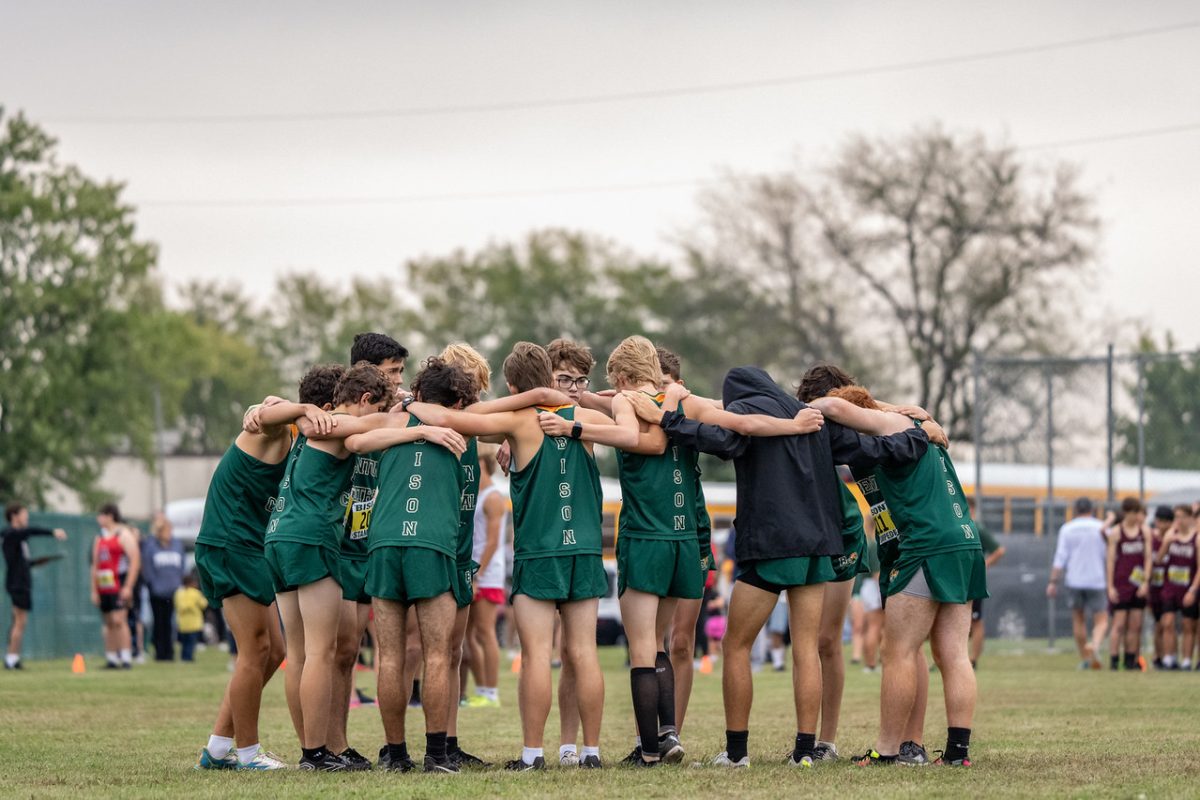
17, 665
670, 748
942, 761
355, 761
590, 762
913, 755
519, 765
443, 765
636, 759
872, 759
464, 759
330, 762
388, 765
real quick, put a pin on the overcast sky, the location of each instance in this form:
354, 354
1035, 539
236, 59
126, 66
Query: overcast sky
199, 186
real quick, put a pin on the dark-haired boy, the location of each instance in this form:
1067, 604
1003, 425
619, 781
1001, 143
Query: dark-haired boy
18, 580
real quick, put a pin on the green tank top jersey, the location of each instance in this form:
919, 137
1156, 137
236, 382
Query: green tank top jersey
887, 535
703, 522
470, 494
356, 521
658, 493
854, 538
928, 503
312, 498
241, 496
417, 503
557, 500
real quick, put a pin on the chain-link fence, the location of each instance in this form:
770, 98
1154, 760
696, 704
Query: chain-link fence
1048, 431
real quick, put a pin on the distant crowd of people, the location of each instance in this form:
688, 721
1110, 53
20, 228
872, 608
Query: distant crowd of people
1112, 570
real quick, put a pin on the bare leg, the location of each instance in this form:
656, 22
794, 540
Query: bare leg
293, 629
259, 657
351, 624
436, 619
276, 652
872, 636
683, 653
949, 640
413, 657
1099, 630
804, 621
568, 693
977, 635
749, 608
1133, 631
906, 625
1189, 638
320, 607
485, 655
458, 636
858, 627
914, 728
579, 648
391, 621
1117, 633
535, 626
16, 634
1079, 630
833, 663
1170, 639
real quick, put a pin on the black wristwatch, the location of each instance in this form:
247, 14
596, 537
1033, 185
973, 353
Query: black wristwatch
408, 401
577, 430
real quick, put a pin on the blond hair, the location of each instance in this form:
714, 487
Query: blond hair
461, 354
636, 361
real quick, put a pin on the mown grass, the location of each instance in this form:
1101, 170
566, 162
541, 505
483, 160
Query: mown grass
1042, 729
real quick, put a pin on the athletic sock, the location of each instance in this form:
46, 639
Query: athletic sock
219, 746
1130, 661
666, 693
643, 682
126, 656
564, 749
531, 754
958, 741
435, 745
1114, 661
735, 744
1168, 661
112, 656
489, 692
246, 754
317, 753
777, 657
591, 751
397, 752
451, 745
804, 746
11, 659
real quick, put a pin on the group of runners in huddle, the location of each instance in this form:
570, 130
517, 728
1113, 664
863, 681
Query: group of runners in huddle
362, 495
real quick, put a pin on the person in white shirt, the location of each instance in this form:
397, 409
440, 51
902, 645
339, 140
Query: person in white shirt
1081, 557
491, 536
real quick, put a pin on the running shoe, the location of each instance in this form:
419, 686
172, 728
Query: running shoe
569, 758
17, 665
722, 759
942, 761
633, 758
443, 765
871, 758
590, 762
912, 754
824, 751
464, 759
355, 761
329, 762
805, 762
364, 699
208, 762
519, 765
388, 765
670, 748
262, 761
479, 701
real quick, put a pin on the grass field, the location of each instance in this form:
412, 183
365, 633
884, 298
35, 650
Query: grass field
1042, 729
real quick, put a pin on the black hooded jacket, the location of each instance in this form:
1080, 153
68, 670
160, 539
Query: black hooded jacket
787, 486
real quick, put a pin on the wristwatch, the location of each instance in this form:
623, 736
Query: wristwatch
408, 401
577, 430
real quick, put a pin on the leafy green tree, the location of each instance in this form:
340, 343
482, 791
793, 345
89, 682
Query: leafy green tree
75, 282
1172, 410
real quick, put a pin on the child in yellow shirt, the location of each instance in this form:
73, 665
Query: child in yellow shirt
189, 615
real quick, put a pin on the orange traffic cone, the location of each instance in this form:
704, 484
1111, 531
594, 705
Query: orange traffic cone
706, 666
516, 665
77, 665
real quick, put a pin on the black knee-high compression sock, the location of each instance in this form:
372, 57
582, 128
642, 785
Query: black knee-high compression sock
643, 681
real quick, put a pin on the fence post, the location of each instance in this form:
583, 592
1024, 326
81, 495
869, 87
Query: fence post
1141, 425
1111, 424
1046, 526
977, 426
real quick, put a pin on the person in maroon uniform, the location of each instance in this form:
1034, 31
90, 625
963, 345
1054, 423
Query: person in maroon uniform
1164, 518
1130, 559
1178, 559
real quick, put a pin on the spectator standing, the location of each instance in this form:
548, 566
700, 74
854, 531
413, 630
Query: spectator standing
18, 577
163, 560
1080, 562
189, 613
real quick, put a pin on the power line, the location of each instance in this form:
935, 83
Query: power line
618, 97
299, 202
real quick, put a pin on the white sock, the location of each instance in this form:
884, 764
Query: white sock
1187, 663
219, 746
126, 655
112, 657
591, 751
830, 745
562, 751
246, 754
638, 740
490, 692
531, 754
1168, 661
11, 659
777, 656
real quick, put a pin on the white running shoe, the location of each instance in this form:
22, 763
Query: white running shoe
569, 759
262, 760
722, 760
